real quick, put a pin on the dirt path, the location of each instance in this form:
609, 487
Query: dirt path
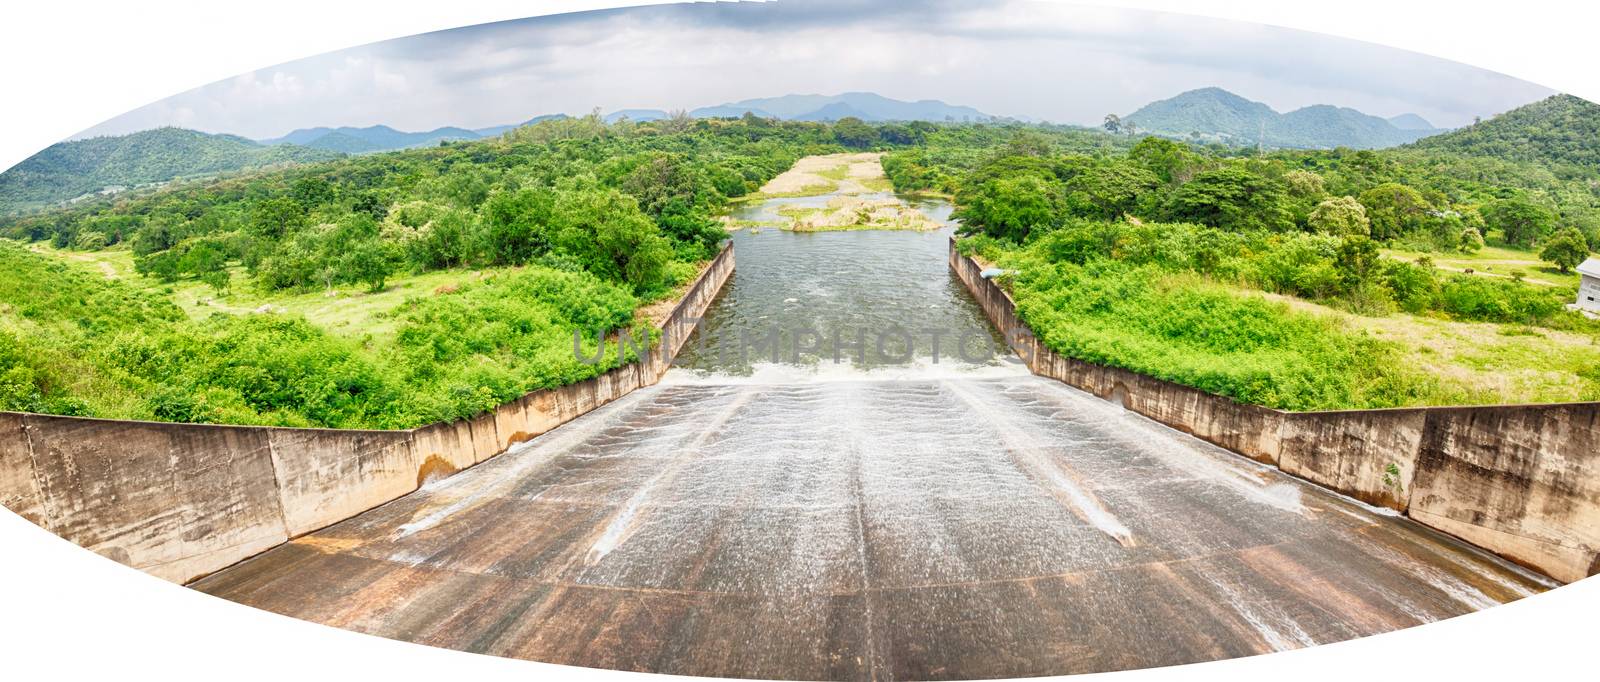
107, 269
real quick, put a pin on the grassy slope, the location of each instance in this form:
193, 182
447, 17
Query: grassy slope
86, 335
69, 169
1480, 363
1495, 261
1290, 353
348, 310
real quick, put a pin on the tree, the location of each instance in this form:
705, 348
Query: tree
1358, 258
1521, 221
201, 257
1173, 162
1304, 184
1471, 241
678, 121
515, 224
90, 241
855, 133
1341, 216
1234, 199
273, 218
1113, 124
1108, 190
311, 192
371, 262
1394, 210
1567, 249
1028, 143
1305, 189
1011, 207
217, 279
607, 233
664, 178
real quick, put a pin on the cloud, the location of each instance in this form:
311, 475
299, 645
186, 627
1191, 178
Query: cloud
1028, 59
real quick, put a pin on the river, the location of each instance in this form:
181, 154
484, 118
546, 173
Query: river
843, 302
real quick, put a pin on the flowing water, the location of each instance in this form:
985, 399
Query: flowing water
890, 519
831, 303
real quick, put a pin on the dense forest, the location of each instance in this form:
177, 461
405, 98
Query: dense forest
577, 223
1136, 251
1136, 258
1558, 134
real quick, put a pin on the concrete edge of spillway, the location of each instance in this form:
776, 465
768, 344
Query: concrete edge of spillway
180, 501
1520, 481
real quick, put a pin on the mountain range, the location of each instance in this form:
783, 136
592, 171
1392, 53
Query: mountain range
379, 138
1216, 115
863, 105
1558, 131
1208, 114
66, 170
866, 106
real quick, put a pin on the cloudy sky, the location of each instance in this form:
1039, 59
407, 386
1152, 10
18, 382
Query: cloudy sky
1018, 58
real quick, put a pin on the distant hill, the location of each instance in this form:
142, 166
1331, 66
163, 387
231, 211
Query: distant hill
636, 115
866, 106
370, 139
382, 138
1411, 122
729, 111
342, 142
1559, 132
496, 131
67, 170
1218, 115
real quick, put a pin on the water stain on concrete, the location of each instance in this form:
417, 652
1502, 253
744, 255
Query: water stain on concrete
780, 531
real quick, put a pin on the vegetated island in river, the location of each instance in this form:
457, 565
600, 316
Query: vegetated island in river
832, 192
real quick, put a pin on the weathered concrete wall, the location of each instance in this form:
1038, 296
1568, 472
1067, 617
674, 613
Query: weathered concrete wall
1246, 429
314, 468
182, 500
1522, 481
19, 489
177, 501
1370, 455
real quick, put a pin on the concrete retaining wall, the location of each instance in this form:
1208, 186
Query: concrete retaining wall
1522, 481
183, 500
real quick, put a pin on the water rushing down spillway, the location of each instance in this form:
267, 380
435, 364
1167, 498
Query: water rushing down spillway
908, 520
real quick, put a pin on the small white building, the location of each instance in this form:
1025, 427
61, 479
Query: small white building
1589, 286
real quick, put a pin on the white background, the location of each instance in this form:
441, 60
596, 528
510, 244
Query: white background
68, 64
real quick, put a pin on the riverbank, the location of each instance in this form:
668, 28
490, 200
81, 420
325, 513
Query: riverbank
86, 335
830, 193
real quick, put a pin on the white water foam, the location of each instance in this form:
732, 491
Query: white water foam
827, 371
1028, 452
518, 461
1196, 458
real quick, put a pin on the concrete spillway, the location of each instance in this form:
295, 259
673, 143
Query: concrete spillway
931, 528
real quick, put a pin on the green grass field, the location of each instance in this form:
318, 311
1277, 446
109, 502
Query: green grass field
1495, 261
349, 311
1478, 363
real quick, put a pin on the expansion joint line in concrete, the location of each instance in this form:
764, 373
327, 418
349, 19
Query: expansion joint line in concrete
51, 520
282, 485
